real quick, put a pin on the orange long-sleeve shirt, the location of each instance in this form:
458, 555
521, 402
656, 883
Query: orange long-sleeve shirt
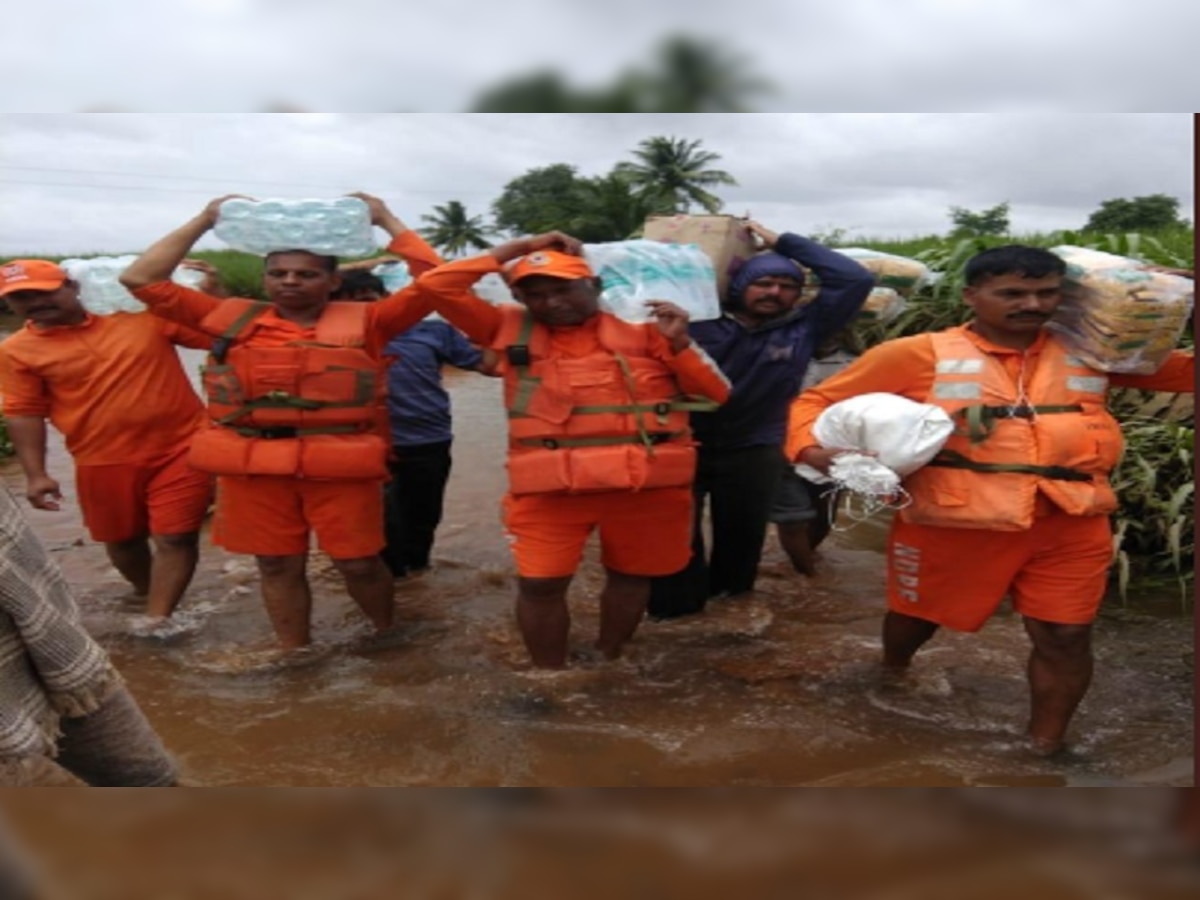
385, 319
448, 288
113, 385
905, 366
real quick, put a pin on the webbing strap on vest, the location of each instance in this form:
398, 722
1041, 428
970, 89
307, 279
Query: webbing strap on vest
283, 432
951, 459
518, 357
221, 345
649, 439
980, 419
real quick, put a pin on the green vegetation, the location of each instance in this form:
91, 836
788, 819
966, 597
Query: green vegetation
1151, 213
453, 231
987, 221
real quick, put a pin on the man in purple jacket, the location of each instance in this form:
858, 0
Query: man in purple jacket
763, 343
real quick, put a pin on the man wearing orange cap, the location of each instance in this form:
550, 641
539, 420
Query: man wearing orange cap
115, 388
598, 432
295, 388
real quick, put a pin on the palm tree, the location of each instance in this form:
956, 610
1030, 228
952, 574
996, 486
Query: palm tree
453, 231
674, 173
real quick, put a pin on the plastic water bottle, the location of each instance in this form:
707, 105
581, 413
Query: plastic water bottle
100, 291
340, 227
394, 275
639, 270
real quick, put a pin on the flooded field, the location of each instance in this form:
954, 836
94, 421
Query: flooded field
778, 689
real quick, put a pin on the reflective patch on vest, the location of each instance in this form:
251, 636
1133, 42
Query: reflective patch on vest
959, 366
1088, 384
957, 391
1076, 363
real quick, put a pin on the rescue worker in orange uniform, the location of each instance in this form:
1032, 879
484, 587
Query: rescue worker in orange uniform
114, 387
598, 432
1017, 502
294, 388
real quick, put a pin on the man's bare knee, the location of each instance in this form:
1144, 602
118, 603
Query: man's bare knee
543, 590
279, 566
362, 567
186, 540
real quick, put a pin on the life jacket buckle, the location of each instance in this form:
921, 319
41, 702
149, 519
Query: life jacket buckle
518, 355
279, 432
550, 443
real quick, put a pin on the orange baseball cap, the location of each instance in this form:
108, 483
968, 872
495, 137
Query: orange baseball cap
551, 263
30, 275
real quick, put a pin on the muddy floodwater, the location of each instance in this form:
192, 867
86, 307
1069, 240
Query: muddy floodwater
778, 689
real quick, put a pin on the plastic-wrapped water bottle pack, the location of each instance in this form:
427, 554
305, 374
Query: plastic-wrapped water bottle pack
636, 271
340, 227
394, 275
101, 293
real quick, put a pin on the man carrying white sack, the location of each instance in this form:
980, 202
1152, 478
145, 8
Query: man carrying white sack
1017, 502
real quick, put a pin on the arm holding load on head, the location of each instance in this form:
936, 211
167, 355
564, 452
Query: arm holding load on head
148, 277
1177, 375
448, 287
845, 284
697, 373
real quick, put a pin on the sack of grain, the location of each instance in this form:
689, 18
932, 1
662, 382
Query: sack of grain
1117, 314
899, 273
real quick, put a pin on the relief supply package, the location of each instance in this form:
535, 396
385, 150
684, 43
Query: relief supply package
882, 305
725, 240
899, 273
340, 227
902, 434
394, 275
1118, 314
633, 272
102, 294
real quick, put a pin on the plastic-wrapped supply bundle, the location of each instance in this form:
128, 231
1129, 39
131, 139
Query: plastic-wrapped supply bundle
394, 275
1118, 315
903, 434
494, 289
882, 305
102, 294
633, 272
899, 273
340, 227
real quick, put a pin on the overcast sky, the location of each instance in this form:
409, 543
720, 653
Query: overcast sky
81, 183
370, 55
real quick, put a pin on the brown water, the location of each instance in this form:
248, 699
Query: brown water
780, 689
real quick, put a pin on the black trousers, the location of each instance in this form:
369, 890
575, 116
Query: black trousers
413, 504
739, 486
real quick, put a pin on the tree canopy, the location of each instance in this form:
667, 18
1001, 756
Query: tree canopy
987, 221
673, 173
452, 230
1153, 212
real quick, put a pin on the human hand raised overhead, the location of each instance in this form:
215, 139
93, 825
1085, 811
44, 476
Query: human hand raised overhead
212, 210
765, 236
549, 240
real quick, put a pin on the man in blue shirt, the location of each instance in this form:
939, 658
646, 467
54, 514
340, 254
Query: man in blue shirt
419, 417
763, 342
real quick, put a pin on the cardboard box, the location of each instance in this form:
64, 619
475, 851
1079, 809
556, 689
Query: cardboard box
725, 239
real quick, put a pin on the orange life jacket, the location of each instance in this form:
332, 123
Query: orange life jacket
613, 420
1058, 438
309, 409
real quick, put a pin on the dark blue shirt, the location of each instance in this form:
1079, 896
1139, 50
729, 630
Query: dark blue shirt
766, 362
418, 405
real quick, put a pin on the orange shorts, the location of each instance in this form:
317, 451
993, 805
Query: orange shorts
1057, 571
641, 533
267, 515
132, 500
